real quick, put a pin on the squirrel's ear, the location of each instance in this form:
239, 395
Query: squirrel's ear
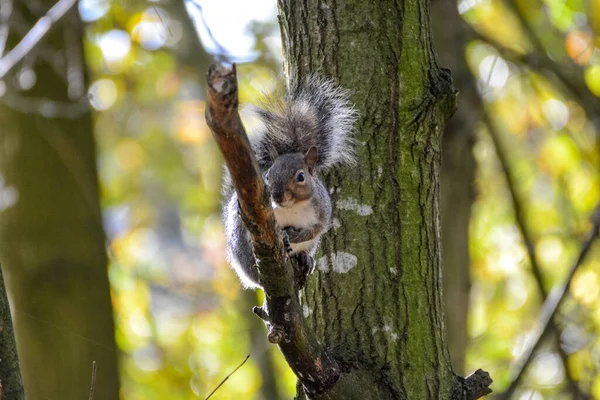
311, 157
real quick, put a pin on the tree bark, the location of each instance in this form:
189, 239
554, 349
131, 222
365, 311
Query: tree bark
52, 245
376, 301
457, 177
11, 383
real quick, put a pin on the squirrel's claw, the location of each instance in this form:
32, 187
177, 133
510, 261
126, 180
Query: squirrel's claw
286, 244
305, 266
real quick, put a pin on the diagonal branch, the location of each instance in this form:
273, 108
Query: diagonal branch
525, 232
316, 369
569, 76
35, 35
571, 81
551, 306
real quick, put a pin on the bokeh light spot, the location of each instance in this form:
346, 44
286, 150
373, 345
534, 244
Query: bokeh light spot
493, 69
91, 10
585, 286
592, 79
103, 94
556, 113
115, 45
580, 47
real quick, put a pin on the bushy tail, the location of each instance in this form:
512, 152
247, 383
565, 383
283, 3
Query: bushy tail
313, 113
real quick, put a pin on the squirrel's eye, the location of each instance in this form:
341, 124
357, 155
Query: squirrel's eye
300, 177
267, 175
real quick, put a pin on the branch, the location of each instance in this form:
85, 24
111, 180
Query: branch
315, 368
35, 36
570, 78
551, 306
536, 269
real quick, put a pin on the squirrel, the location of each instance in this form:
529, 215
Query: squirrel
306, 131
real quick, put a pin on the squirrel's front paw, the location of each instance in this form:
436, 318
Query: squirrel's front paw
286, 243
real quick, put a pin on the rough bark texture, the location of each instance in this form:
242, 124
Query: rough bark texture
52, 246
457, 176
11, 383
376, 300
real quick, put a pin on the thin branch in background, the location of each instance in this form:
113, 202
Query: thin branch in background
227, 377
33, 38
51, 56
551, 306
163, 21
569, 75
571, 79
526, 235
489, 77
74, 63
6, 8
529, 32
93, 384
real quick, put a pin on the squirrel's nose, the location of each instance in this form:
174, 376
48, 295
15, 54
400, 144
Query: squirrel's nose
277, 196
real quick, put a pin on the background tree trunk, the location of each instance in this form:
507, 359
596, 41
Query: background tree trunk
52, 244
377, 297
457, 177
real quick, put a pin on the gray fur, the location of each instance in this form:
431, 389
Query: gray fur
315, 113
239, 245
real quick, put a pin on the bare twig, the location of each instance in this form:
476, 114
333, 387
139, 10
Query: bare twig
551, 306
93, 384
34, 37
227, 377
6, 8
163, 21
527, 237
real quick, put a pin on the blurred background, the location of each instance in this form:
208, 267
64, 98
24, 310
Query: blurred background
525, 168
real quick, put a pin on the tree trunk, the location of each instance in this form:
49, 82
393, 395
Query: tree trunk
457, 177
52, 244
376, 299
11, 383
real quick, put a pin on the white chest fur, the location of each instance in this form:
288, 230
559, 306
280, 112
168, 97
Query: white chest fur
299, 215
